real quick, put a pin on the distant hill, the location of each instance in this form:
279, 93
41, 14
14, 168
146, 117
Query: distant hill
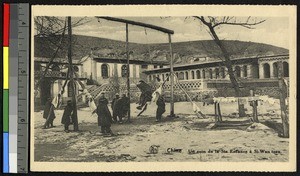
184, 51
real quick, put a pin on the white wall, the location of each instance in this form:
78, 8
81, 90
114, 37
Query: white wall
131, 71
91, 66
138, 71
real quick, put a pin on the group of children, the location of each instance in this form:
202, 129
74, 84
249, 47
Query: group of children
120, 107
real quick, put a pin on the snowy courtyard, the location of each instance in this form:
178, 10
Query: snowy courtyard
187, 138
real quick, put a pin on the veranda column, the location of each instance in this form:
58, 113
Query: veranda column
226, 73
261, 71
242, 71
271, 70
249, 71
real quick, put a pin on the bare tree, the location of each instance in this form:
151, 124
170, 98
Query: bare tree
212, 23
52, 29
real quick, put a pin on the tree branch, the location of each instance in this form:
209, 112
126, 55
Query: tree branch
245, 24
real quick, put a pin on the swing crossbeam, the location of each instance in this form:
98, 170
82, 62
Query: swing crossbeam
158, 28
150, 26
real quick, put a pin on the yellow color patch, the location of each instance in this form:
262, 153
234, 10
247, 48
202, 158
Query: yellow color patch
5, 67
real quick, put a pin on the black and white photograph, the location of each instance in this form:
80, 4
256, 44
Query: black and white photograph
148, 89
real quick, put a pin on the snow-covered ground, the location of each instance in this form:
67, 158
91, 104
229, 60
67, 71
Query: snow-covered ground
198, 142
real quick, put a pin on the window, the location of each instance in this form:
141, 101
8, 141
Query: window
104, 70
186, 75
181, 76
285, 69
161, 66
55, 67
155, 66
124, 71
203, 74
193, 75
245, 69
210, 74
37, 66
76, 69
266, 68
238, 71
198, 74
223, 72
144, 66
217, 73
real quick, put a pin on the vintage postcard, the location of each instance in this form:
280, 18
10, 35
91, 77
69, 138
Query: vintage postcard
163, 88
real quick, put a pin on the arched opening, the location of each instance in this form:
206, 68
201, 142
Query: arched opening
163, 77
222, 72
55, 67
285, 69
186, 75
203, 74
181, 76
150, 78
124, 71
104, 70
275, 69
45, 90
76, 68
210, 74
198, 74
266, 68
177, 75
167, 75
193, 75
37, 66
158, 78
238, 71
217, 73
245, 71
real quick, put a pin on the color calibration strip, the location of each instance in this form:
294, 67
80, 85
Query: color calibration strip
23, 87
6, 28
13, 87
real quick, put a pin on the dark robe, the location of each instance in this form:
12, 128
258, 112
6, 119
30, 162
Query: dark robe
104, 116
48, 111
146, 94
67, 115
114, 111
121, 106
113, 102
161, 107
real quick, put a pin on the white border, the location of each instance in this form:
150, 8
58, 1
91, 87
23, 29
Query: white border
175, 10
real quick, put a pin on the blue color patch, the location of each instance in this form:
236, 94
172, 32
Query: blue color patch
5, 153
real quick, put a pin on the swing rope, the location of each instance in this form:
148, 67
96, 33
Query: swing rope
195, 107
148, 47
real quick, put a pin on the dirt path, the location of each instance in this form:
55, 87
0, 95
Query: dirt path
187, 134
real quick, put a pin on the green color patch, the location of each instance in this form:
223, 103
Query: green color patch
5, 110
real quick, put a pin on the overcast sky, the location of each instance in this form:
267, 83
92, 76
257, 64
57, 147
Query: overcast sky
273, 31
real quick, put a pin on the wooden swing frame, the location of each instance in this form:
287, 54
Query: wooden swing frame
158, 28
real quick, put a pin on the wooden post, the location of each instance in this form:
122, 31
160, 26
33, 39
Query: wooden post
216, 113
219, 113
171, 78
283, 96
128, 72
254, 107
74, 97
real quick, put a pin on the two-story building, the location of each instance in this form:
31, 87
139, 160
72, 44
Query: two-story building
211, 76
